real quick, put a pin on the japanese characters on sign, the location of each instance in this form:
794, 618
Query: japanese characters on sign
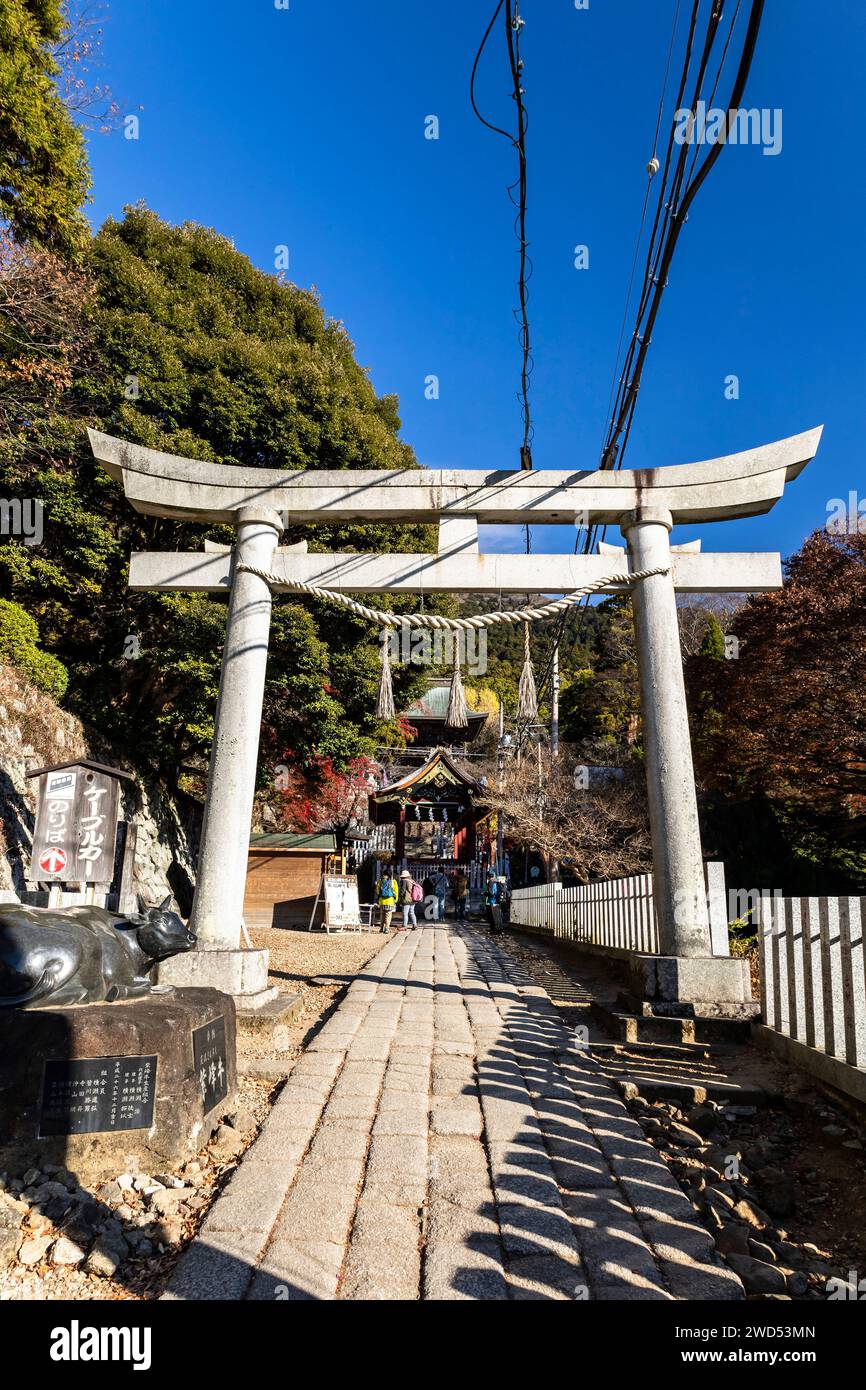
211, 1064
92, 1095
76, 826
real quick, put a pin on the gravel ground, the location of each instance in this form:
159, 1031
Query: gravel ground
124, 1238
318, 966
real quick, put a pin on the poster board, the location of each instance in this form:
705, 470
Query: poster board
339, 894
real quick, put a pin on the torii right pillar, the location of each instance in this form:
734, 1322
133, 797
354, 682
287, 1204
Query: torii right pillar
685, 971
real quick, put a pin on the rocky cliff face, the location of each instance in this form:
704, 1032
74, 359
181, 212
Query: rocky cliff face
35, 732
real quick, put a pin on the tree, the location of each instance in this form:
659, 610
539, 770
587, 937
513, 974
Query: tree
696, 611
600, 703
44, 178
787, 719
591, 832
193, 350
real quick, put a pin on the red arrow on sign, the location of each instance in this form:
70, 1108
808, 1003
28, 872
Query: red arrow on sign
52, 861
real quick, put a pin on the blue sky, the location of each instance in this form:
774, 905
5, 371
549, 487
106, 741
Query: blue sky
305, 127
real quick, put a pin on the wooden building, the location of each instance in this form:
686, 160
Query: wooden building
283, 876
434, 810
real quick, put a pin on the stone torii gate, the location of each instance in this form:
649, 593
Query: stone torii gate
644, 503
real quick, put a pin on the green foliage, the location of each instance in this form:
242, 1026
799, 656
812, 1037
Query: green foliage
44, 176
19, 646
194, 351
713, 644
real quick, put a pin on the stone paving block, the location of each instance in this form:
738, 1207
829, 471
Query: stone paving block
370, 1049
219, 1268
335, 1142
613, 1249
533, 1227
347, 1172
399, 1097
545, 1277
323, 1063
378, 1271
360, 1079
459, 1272
410, 1059
295, 1114
278, 1147
459, 1160
252, 1200
460, 1223
395, 1156
293, 1271
406, 1190
402, 1120
316, 1211
461, 1116
379, 1220
534, 1185
341, 1106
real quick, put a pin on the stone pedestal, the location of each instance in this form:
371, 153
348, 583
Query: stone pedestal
700, 984
107, 1088
241, 973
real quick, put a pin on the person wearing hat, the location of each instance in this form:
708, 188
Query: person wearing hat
407, 898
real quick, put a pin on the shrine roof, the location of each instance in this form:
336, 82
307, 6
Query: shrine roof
324, 842
439, 761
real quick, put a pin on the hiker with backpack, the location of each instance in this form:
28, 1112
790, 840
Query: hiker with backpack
386, 897
410, 894
461, 892
493, 903
440, 888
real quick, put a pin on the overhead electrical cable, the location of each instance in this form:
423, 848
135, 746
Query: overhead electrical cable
676, 196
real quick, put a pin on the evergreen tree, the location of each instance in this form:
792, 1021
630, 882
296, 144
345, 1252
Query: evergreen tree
190, 349
44, 177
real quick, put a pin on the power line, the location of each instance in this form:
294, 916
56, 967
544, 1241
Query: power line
674, 201
514, 24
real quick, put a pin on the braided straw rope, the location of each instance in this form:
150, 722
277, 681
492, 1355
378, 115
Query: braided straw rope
435, 620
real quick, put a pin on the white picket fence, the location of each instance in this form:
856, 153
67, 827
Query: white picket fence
616, 915
813, 973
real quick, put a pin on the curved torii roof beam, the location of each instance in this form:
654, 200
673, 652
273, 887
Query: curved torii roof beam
737, 485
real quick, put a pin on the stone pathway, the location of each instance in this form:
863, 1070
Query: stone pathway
444, 1138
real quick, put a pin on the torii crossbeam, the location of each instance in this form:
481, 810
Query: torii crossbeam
644, 503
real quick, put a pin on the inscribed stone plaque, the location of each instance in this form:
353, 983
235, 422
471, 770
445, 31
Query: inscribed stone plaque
94, 1095
209, 1054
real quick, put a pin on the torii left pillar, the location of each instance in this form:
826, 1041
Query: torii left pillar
217, 910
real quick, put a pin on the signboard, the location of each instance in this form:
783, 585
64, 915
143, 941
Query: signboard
76, 826
96, 1095
342, 908
211, 1063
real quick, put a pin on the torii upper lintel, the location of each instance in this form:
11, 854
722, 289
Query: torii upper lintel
735, 485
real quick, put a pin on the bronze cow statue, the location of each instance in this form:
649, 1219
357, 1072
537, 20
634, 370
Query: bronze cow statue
83, 955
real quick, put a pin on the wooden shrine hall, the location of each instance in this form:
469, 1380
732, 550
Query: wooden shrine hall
434, 810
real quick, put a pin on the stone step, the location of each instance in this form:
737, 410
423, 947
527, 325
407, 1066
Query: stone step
687, 1092
282, 1010
676, 1052
632, 1028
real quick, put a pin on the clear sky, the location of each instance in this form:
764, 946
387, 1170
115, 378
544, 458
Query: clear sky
305, 127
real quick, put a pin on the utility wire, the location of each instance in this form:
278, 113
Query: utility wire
671, 214
513, 25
